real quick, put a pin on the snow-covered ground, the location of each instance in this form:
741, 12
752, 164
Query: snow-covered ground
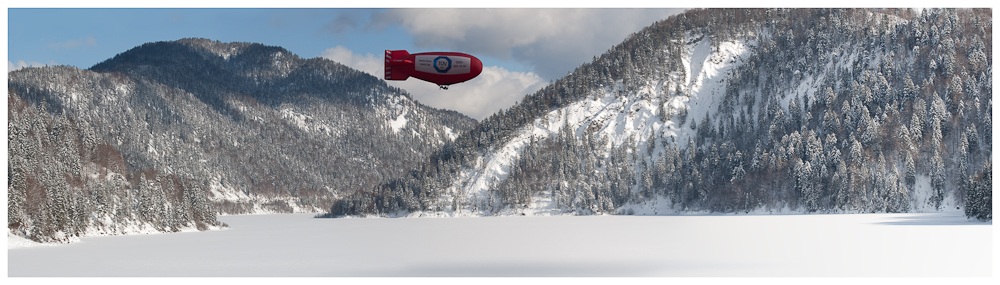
923, 244
14, 241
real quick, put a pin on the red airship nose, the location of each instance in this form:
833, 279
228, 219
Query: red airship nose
441, 68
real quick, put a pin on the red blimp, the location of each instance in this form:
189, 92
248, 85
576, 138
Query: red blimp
441, 68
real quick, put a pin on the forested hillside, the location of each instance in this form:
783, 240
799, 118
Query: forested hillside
64, 181
736, 110
168, 134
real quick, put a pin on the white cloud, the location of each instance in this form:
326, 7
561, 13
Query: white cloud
21, 64
480, 97
553, 41
368, 62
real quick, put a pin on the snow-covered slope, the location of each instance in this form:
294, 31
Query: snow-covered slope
617, 118
734, 110
230, 128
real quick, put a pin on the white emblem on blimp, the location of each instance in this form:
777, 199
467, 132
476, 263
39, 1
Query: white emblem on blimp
442, 64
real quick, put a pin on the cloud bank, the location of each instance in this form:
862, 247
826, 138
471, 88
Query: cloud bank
552, 41
11, 66
492, 90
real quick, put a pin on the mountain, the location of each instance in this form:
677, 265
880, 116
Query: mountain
735, 111
168, 129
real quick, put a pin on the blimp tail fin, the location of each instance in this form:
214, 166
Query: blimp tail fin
390, 73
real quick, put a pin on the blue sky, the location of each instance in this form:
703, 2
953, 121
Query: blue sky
62, 35
522, 49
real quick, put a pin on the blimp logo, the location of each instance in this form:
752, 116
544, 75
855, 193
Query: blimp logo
442, 64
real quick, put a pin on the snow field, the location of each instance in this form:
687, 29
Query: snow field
858, 245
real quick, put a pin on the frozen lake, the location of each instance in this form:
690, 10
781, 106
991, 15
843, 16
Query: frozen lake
930, 244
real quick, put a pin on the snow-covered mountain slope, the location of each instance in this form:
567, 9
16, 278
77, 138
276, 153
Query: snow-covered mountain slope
249, 128
266, 123
734, 110
620, 119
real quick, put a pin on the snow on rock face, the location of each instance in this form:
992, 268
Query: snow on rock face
395, 110
707, 88
618, 118
449, 133
222, 192
398, 123
298, 119
307, 123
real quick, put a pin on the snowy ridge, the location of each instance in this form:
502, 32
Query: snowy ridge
619, 119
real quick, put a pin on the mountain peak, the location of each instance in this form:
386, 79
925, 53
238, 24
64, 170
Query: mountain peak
159, 53
269, 74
